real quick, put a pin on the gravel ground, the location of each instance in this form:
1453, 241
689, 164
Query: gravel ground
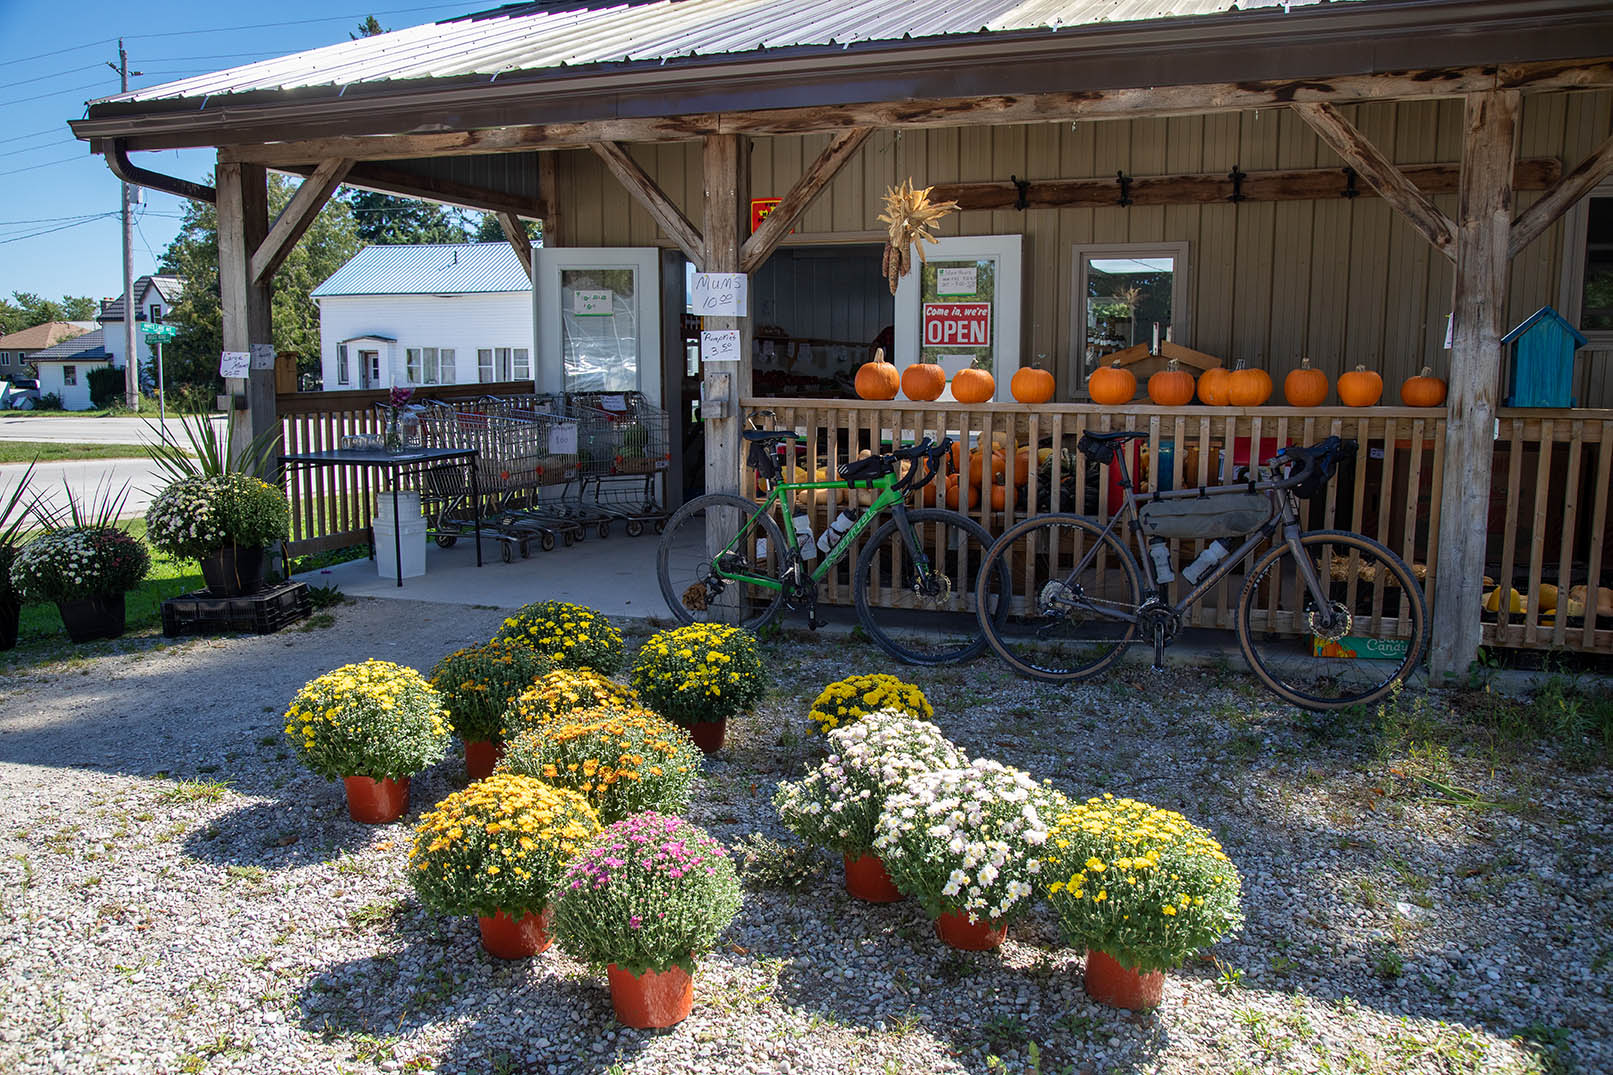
176, 895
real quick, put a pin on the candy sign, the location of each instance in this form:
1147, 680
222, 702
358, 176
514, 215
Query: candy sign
957, 324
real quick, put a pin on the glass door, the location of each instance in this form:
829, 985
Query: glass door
960, 308
598, 318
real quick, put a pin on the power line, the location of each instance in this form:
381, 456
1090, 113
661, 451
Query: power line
57, 93
46, 164
53, 74
57, 228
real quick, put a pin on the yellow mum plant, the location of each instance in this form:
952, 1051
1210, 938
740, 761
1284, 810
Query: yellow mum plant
572, 636
555, 696
1143, 885
700, 672
479, 683
502, 844
846, 700
374, 719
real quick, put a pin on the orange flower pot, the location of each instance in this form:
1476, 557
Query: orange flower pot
652, 999
480, 757
516, 938
955, 929
708, 734
866, 879
375, 802
1107, 982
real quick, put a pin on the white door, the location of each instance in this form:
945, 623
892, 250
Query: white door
597, 316
960, 308
369, 369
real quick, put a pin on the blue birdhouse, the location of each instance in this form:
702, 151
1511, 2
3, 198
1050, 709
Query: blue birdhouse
1540, 366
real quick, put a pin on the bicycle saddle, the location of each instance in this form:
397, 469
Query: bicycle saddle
1122, 434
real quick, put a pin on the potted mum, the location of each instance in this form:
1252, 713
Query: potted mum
374, 725
477, 685
12, 516
555, 696
966, 842
1141, 888
572, 636
497, 850
648, 895
698, 676
620, 760
849, 699
837, 804
85, 563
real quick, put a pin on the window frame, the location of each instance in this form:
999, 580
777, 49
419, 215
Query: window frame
1181, 253
341, 365
1571, 291
70, 376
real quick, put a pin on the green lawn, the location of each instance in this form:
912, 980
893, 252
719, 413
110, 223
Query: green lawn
26, 451
168, 578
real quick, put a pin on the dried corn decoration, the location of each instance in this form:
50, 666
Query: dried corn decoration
911, 217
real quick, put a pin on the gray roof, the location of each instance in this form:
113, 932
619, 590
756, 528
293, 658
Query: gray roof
538, 36
90, 347
168, 287
428, 269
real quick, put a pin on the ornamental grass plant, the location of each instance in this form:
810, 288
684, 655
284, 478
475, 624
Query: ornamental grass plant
198, 515
554, 696
1137, 883
621, 760
649, 893
847, 700
968, 839
572, 636
837, 804
502, 844
374, 719
479, 683
700, 673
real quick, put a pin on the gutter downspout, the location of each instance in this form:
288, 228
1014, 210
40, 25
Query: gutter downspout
117, 159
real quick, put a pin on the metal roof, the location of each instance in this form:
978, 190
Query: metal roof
545, 36
90, 347
428, 269
167, 287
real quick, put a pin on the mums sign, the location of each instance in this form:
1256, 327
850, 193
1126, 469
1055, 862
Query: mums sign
957, 324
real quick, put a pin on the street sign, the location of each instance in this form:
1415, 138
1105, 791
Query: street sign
160, 332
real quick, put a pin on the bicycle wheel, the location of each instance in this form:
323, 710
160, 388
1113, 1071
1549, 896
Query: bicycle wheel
1379, 633
1061, 591
683, 563
923, 617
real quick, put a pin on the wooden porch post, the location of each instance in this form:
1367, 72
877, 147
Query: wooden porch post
243, 224
727, 204
1483, 236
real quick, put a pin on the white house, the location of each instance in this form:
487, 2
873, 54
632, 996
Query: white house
450, 313
15, 347
64, 368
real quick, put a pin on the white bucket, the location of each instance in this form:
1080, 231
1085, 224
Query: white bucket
411, 540
408, 506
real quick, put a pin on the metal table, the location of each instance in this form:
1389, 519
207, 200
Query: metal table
392, 463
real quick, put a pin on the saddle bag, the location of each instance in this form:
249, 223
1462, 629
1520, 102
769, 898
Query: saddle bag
1221, 515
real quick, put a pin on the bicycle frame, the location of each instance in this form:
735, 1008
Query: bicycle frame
780, 495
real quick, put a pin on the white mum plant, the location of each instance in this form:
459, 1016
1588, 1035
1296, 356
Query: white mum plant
837, 804
966, 839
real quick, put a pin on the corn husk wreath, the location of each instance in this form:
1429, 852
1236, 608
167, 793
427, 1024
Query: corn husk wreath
912, 218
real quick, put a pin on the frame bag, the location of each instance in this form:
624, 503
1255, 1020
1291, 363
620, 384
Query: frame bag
1224, 515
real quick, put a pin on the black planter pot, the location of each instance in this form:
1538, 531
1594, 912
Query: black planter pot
9, 615
233, 570
93, 617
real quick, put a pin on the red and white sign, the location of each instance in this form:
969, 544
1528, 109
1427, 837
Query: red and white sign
957, 324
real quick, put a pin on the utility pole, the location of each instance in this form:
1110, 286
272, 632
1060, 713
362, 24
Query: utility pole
131, 366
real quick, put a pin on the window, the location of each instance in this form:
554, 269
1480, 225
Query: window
156, 312
5, 358
484, 366
522, 368
429, 365
411, 364
503, 364
342, 376
1588, 263
445, 366
1122, 293
70, 376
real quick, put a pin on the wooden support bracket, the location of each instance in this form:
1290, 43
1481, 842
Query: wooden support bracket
760, 246
296, 217
1533, 221
515, 233
648, 194
392, 180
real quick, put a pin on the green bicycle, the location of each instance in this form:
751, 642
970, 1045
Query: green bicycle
726, 559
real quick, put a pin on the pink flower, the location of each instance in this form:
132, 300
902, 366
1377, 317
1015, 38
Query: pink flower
635, 922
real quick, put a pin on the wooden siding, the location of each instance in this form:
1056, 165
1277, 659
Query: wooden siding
1343, 281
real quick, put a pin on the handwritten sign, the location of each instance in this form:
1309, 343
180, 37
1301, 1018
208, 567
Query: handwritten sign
563, 439
617, 403
720, 346
957, 324
263, 356
956, 281
719, 294
235, 363
596, 303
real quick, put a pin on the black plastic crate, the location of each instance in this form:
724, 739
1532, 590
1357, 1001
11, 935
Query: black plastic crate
263, 613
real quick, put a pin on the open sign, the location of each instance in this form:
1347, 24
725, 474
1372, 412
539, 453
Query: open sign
957, 324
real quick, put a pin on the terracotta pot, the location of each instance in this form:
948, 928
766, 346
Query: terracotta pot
10, 615
652, 999
233, 570
90, 618
1107, 982
708, 734
867, 880
955, 929
481, 755
516, 938
375, 802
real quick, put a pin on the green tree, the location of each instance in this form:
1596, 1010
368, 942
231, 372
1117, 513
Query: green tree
387, 220
368, 28
489, 230
192, 356
28, 309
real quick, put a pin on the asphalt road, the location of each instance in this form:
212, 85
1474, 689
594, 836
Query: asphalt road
85, 477
61, 429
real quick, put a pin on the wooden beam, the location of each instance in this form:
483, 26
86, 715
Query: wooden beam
1484, 225
389, 180
760, 246
554, 228
515, 234
295, 218
726, 213
647, 193
1381, 172
1533, 221
1214, 188
243, 223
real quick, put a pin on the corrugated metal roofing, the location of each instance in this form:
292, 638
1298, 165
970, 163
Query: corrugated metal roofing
533, 37
90, 347
435, 269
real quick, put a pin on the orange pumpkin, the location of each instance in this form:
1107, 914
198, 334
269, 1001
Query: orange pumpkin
999, 497
927, 494
1111, 385
973, 386
1248, 387
1360, 387
1212, 387
1031, 385
877, 379
1305, 387
977, 466
1171, 386
952, 491
1423, 390
924, 381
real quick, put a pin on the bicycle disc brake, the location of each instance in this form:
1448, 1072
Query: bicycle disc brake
934, 586
1343, 620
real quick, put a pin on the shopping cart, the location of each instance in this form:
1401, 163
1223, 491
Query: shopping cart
623, 451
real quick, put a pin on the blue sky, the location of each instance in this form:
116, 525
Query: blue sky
59, 229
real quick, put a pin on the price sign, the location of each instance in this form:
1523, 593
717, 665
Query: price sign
596, 303
235, 363
263, 356
617, 403
719, 346
719, 294
563, 439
